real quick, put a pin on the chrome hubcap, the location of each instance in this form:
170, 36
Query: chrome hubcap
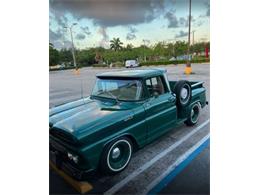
195, 113
192, 113
115, 153
184, 93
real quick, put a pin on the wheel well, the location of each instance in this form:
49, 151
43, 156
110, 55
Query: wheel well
135, 144
133, 140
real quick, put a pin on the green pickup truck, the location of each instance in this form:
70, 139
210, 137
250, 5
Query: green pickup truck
125, 111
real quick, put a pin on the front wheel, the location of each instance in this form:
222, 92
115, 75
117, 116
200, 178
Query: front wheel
194, 115
116, 156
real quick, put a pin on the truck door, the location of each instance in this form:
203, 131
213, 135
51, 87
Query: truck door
160, 108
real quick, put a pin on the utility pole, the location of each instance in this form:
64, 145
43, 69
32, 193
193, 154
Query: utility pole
72, 45
144, 48
173, 42
188, 68
193, 36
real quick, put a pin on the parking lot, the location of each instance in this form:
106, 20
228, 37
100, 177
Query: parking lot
178, 162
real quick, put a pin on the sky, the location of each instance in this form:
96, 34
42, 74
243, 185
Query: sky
135, 22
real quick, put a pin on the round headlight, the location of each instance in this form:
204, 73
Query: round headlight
75, 159
70, 156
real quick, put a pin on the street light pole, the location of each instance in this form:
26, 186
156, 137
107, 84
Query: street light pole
72, 44
193, 36
144, 48
188, 69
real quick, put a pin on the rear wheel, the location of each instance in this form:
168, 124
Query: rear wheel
116, 156
194, 115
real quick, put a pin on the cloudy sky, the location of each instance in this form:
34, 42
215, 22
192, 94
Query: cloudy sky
133, 21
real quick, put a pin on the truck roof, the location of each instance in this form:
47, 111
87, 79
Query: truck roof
135, 73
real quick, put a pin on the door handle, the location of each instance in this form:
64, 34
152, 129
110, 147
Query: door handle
148, 104
171, 99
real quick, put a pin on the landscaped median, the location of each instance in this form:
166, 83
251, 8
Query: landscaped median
174, 62
148, 63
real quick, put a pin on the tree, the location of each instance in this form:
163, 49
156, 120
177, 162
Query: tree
98, 57
129, 47
116, 44
170, 49
160, 50
86, 57
54, 57
180, 48
65, 56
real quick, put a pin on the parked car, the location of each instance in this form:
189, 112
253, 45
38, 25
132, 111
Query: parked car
184, 57
172, 59
131, 63
126, 110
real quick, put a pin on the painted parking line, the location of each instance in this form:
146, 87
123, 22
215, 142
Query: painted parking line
55, 93
141, 169
160, 182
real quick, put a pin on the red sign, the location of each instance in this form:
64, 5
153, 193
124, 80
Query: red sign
207, 52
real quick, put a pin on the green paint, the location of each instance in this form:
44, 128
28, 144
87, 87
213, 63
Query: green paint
84, 127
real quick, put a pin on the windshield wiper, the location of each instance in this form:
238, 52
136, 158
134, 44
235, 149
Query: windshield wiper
113, 96
109, 93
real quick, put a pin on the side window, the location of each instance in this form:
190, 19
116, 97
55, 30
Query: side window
155, 85
149, 87
148, 82
154, 81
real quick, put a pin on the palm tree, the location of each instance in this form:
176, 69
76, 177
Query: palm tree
50, 45
116, 44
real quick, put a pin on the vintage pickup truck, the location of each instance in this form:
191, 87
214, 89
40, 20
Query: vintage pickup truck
125, 111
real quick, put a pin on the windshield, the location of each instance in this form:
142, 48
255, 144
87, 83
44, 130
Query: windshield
118, 89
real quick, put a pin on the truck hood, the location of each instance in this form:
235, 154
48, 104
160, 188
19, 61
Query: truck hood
86, 115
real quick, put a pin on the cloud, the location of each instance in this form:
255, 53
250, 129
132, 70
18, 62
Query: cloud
58, 39
183, 21
207, 13
181, 34
203, 39
59, 17
105, 38
54, 36
199, 23
131, 35
86, 30
174, 22
172, 19
80, 36
109, 13
207, 4
146, 41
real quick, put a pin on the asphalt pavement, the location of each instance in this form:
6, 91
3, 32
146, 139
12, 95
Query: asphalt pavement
146, 166
192, 180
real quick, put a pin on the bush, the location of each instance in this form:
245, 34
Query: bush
156, 63
118, 64
65, 68
175, 62
99, 65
